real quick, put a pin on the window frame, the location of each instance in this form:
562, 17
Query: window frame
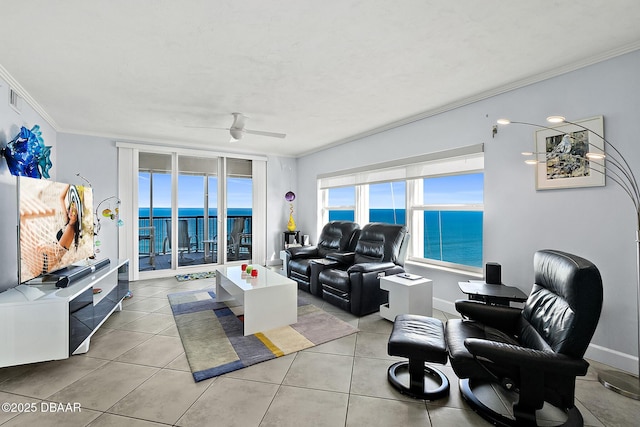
326, 207
416, 222
460, 161
128, 168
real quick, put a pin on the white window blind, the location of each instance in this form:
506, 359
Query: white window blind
456, 161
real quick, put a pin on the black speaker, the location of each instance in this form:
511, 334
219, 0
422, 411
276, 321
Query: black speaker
493, 273
73, 273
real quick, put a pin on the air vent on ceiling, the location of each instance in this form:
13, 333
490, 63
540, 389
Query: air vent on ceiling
14, 100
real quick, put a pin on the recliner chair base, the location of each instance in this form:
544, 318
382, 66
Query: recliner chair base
415, 381
495, 404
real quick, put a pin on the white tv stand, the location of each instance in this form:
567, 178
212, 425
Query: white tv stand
59, 322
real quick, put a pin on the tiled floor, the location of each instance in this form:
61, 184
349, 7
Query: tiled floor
136, 374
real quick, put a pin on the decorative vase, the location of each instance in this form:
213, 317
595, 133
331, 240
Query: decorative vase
291, 225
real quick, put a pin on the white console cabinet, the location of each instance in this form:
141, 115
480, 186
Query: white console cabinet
42, 322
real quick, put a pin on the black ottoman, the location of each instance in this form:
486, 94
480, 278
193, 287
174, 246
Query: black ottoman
420, 339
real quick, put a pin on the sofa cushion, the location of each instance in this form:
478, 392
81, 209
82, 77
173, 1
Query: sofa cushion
335, 281
336, 236
380, 242
462, 361
300, 266
566, 295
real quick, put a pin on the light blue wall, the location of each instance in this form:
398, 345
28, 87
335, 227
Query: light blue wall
281, 178
96, 159
596, 223
10, 123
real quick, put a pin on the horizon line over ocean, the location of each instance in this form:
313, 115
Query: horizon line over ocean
451, 236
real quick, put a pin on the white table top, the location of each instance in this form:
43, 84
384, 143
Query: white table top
266, 277
416, 280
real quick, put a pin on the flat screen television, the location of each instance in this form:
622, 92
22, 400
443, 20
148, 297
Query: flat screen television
55, 226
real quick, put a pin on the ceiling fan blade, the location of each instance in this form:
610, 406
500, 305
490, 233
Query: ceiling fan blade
263, 133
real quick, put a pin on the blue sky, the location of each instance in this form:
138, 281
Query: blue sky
454, 189
441, 190
191, 190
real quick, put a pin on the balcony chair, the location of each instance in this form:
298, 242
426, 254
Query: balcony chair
532, 355
184, 240
238, 240
335, 237
380, 251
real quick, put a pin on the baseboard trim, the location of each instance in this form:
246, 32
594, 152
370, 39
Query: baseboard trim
444, 305
613, 358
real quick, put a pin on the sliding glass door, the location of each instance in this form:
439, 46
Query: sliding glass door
197, 216
180, 215
239, 190
154, 210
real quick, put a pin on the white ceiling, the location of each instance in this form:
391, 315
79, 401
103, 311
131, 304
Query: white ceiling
321, 72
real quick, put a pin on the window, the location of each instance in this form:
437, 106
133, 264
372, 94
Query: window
448, 216
239, 211
189, 208
342, 204
154, 209
387, 202
439, 197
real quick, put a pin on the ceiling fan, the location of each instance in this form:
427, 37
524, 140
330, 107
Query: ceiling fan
237, 129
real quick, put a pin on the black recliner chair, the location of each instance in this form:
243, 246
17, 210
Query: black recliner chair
380, 251
335, 237
533, 354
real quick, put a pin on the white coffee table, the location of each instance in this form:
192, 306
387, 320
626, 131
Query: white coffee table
270, 300
406, 296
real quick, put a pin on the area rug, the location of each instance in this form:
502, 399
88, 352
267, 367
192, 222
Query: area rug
195, 276
212, 338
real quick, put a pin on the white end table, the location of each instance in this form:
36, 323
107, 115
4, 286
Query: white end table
406, 296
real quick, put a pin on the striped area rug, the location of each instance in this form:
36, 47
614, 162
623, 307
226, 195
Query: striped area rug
211, 334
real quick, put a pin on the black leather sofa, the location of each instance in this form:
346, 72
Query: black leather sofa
336, 237
354, 285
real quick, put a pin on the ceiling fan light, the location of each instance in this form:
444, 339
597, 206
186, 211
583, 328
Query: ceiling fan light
236, 134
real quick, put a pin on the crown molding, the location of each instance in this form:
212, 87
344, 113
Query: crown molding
576, 65
22, 93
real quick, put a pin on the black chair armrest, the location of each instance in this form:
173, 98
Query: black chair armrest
527, 358
303, 252
342, 257
369, 267
366, 295
499, 317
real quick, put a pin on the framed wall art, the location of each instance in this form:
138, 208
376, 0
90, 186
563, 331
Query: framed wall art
570, 155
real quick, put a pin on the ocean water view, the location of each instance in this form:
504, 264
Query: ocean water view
191, 212
451, 236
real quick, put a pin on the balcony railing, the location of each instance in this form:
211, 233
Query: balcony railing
160, 227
